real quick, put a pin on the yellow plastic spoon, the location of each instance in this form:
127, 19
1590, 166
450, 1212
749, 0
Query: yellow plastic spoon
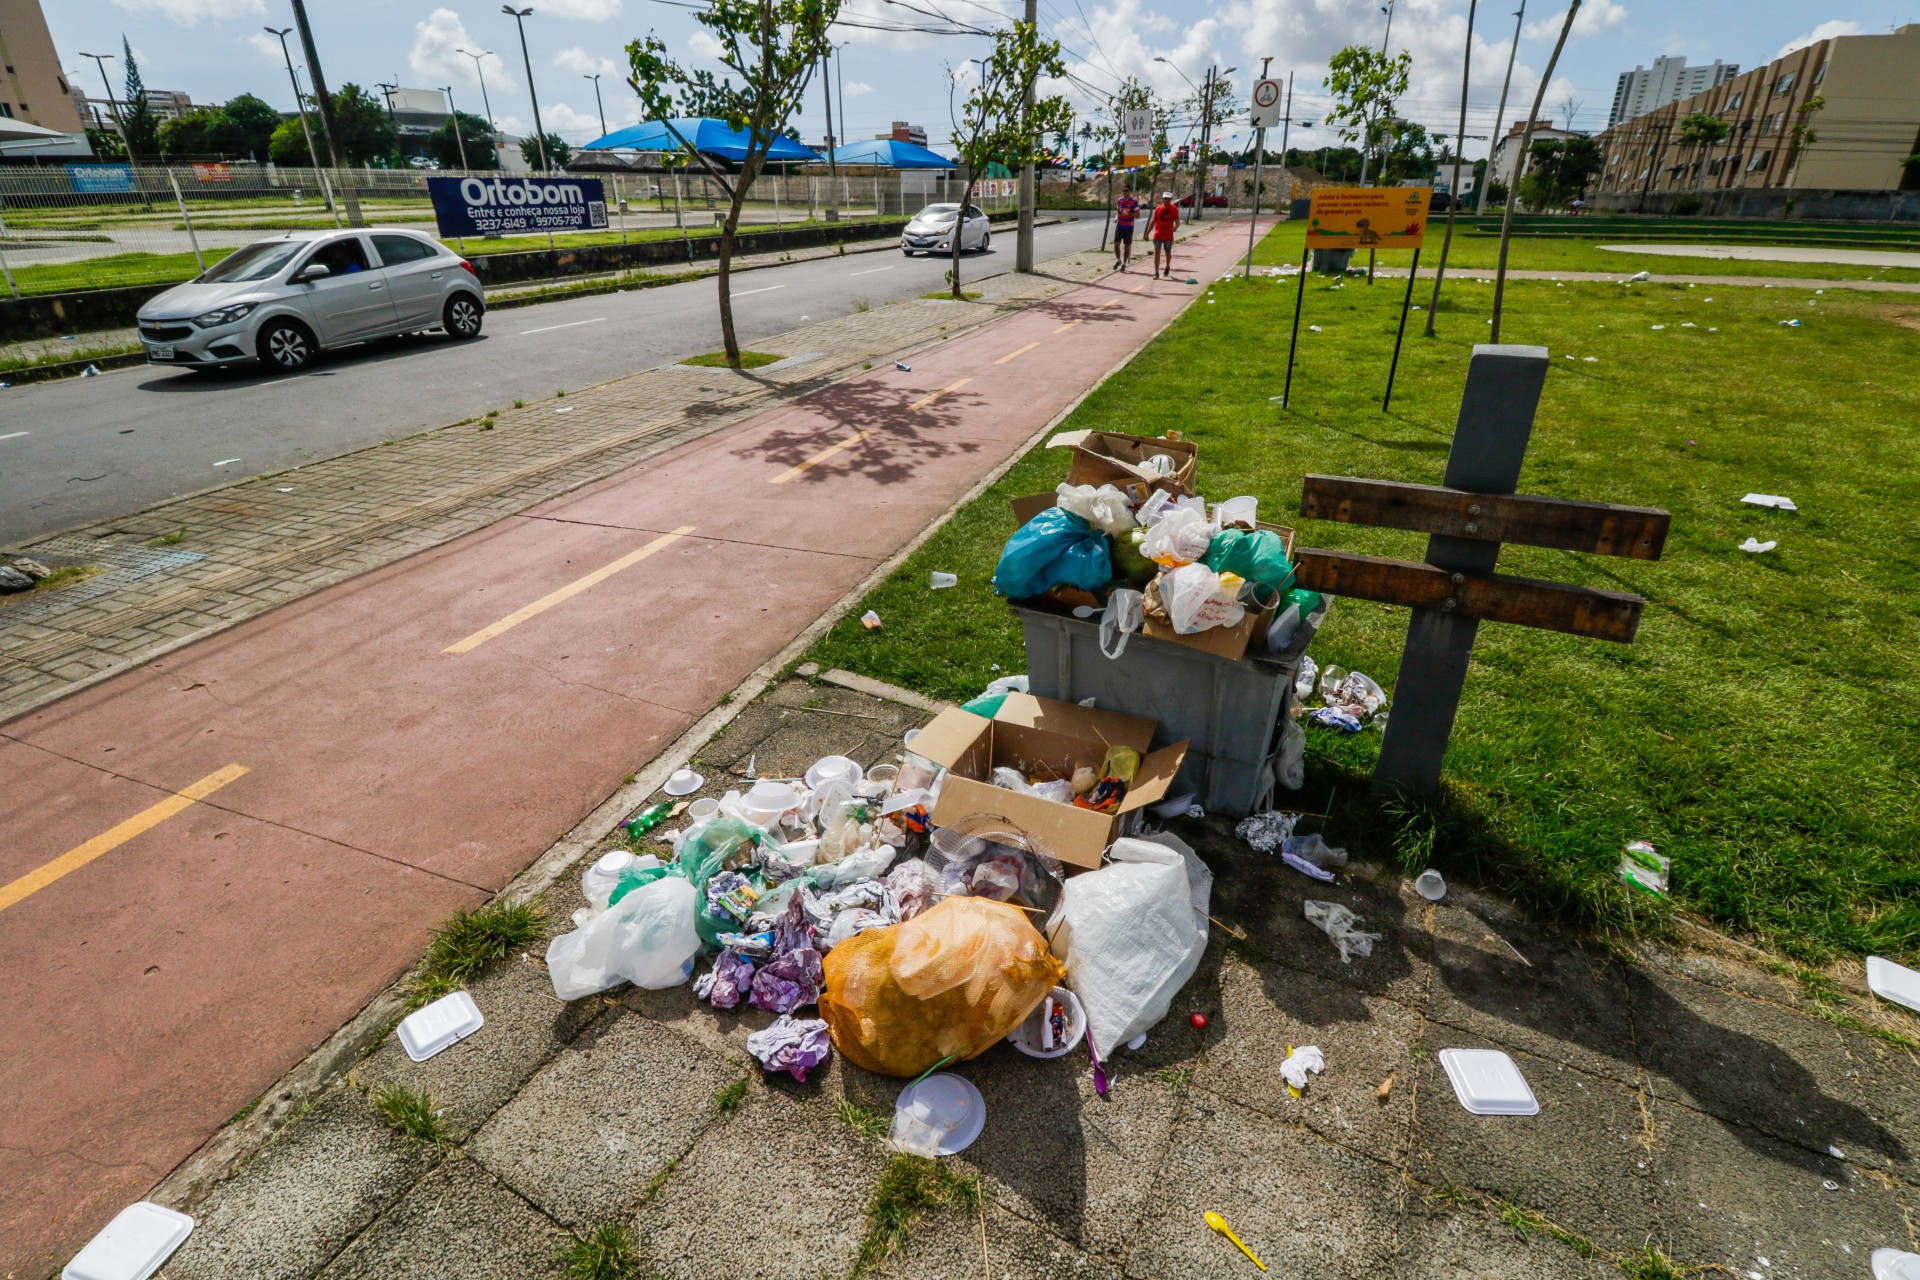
1219, 1224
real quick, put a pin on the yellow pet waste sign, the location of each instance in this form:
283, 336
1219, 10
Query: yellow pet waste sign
1367, 217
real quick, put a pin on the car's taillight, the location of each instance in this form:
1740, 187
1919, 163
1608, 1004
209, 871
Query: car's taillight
469, 267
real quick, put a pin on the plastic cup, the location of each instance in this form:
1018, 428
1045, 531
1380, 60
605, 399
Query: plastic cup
1238, 510
702, 810
941, 580
1431, 885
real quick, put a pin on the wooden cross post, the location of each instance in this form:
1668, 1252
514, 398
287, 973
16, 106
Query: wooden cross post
1468, 517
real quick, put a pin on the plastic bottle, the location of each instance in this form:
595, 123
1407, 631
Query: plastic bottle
647, 819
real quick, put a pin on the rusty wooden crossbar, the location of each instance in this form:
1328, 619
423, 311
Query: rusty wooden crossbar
1529, 602
1639, 533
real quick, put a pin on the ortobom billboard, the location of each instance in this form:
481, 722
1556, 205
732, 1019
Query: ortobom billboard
477, 206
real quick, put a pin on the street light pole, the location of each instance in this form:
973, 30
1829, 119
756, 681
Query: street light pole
599, 106
478, 74
458, 139
539, 133
113, 107
1500, 113
328, 129
298, 105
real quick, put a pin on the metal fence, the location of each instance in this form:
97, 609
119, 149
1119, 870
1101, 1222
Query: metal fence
100, 226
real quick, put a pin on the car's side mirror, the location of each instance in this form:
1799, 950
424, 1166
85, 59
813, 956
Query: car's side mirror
312, 271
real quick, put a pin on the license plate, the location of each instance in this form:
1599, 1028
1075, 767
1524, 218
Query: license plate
160, 352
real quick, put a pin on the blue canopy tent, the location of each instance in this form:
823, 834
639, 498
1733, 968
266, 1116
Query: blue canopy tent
889, 153
708, 135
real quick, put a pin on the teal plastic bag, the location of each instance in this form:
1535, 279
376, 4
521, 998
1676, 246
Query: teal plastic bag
986, 706
1054, 548
704, 854
1259, 556
631, 878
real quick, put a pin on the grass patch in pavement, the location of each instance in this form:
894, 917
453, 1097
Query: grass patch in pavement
748, 359
470, 941
1758, 731
64, 576
607, 1252
946, 295
411, 1113
908, 1187
1475, 252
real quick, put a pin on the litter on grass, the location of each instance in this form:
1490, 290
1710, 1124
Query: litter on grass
870, 620
1642, 868
1893, 982
1756, 546
939, 581
1773, 500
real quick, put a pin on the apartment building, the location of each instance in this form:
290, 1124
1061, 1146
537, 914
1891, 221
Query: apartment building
1503, 164
1668, 80
32, 86
1839, 115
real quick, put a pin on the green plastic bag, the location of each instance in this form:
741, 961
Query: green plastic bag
1259, 556
704, 853
986, 706
631, 878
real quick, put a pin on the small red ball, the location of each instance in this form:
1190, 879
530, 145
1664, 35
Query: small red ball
1199, 1020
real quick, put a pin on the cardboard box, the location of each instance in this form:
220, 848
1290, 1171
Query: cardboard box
1230, 643
1107, 457
1035, 735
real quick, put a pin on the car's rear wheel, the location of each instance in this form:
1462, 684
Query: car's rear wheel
286, 345
461, 317
986, 240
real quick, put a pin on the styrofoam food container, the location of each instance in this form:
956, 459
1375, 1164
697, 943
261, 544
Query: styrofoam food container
132, 1246
1488, 1083
834, 769
1893, 982
949, 1105
1026, 1036
1895, 1264
446, 1021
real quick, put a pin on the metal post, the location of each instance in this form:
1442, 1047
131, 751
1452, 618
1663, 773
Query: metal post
1453, 202
327, 128
300, 106
1401, 334
539, 132
1023, 226
1286, 394
192, 239
1526, 144
6, 270
453, 114
1489, 442
833, 158
1253, 220
1500, 113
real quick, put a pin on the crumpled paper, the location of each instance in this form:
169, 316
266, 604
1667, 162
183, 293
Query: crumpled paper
793, 977
1302, 1062
793, 1045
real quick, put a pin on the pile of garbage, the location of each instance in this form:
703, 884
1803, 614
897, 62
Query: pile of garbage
1349, 700
918, 945
1126, 535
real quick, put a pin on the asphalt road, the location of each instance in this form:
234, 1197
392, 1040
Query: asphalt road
88, 449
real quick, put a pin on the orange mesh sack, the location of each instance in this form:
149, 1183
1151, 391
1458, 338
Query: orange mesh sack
947, 983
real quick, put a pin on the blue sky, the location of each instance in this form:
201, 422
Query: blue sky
214, 49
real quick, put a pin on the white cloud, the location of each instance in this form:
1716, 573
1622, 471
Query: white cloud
859, 89
580, 10
436, 58
585, 63
1595, 16
705, 44
190, 13
1825, 31
269, 47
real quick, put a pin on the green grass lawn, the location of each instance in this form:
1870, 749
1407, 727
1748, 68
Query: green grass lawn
1760, 730
1477, 252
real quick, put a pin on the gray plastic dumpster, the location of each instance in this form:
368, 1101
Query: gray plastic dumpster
1231, 712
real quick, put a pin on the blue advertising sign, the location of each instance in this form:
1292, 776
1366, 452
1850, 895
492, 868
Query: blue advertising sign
477, 206
93, 179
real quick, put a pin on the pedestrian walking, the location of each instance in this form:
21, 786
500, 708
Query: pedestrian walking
1125, 210
1160, 228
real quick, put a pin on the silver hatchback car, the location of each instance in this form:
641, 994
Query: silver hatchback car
281, 301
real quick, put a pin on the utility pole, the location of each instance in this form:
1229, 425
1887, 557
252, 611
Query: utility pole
1200, 166
598, 105
325, 102
459, 140
1023, 236
539, 133
1259, 162
1500, 115
1366, 140
833, 160
386, 91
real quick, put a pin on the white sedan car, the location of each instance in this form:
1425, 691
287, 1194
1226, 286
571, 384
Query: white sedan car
931, 230
281, 301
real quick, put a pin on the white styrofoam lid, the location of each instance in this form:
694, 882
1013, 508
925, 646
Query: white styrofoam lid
425, 1032
1895, 1264
1488, 1084
132, 1246
1893, 982
948, 1105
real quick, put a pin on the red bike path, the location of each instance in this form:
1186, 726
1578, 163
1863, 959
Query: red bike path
359, 764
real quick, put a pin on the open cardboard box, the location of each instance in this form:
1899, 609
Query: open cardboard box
1108, 457
1038, 736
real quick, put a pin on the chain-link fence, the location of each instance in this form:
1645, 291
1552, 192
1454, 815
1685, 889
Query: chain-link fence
80, 227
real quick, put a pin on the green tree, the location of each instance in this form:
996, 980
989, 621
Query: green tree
774, 47
1208, 109
106, 144
1560, 170
362, 129
475, 134
558, 152
288, 146
1703, 131
136, 113
245, 127
187, 137
1407, 154
994, 125
1364, 83
1803, 134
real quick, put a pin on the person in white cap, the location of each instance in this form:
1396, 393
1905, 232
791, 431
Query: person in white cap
1160, 228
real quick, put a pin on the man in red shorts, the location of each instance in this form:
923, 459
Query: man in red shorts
1125, 210
1164, 221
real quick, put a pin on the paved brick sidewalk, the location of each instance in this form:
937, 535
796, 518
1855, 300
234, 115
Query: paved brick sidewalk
1690, 1103
191, 567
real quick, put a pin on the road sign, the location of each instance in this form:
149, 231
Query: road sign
1266, 103
1139, 130
1367, 217
476, 206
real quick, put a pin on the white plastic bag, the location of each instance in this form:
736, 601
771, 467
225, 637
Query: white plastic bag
1131, 935
1337, 922
647, 938
1292, 768
1181, 537
867, 863
1124, 616
1195, 600
1104, 508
